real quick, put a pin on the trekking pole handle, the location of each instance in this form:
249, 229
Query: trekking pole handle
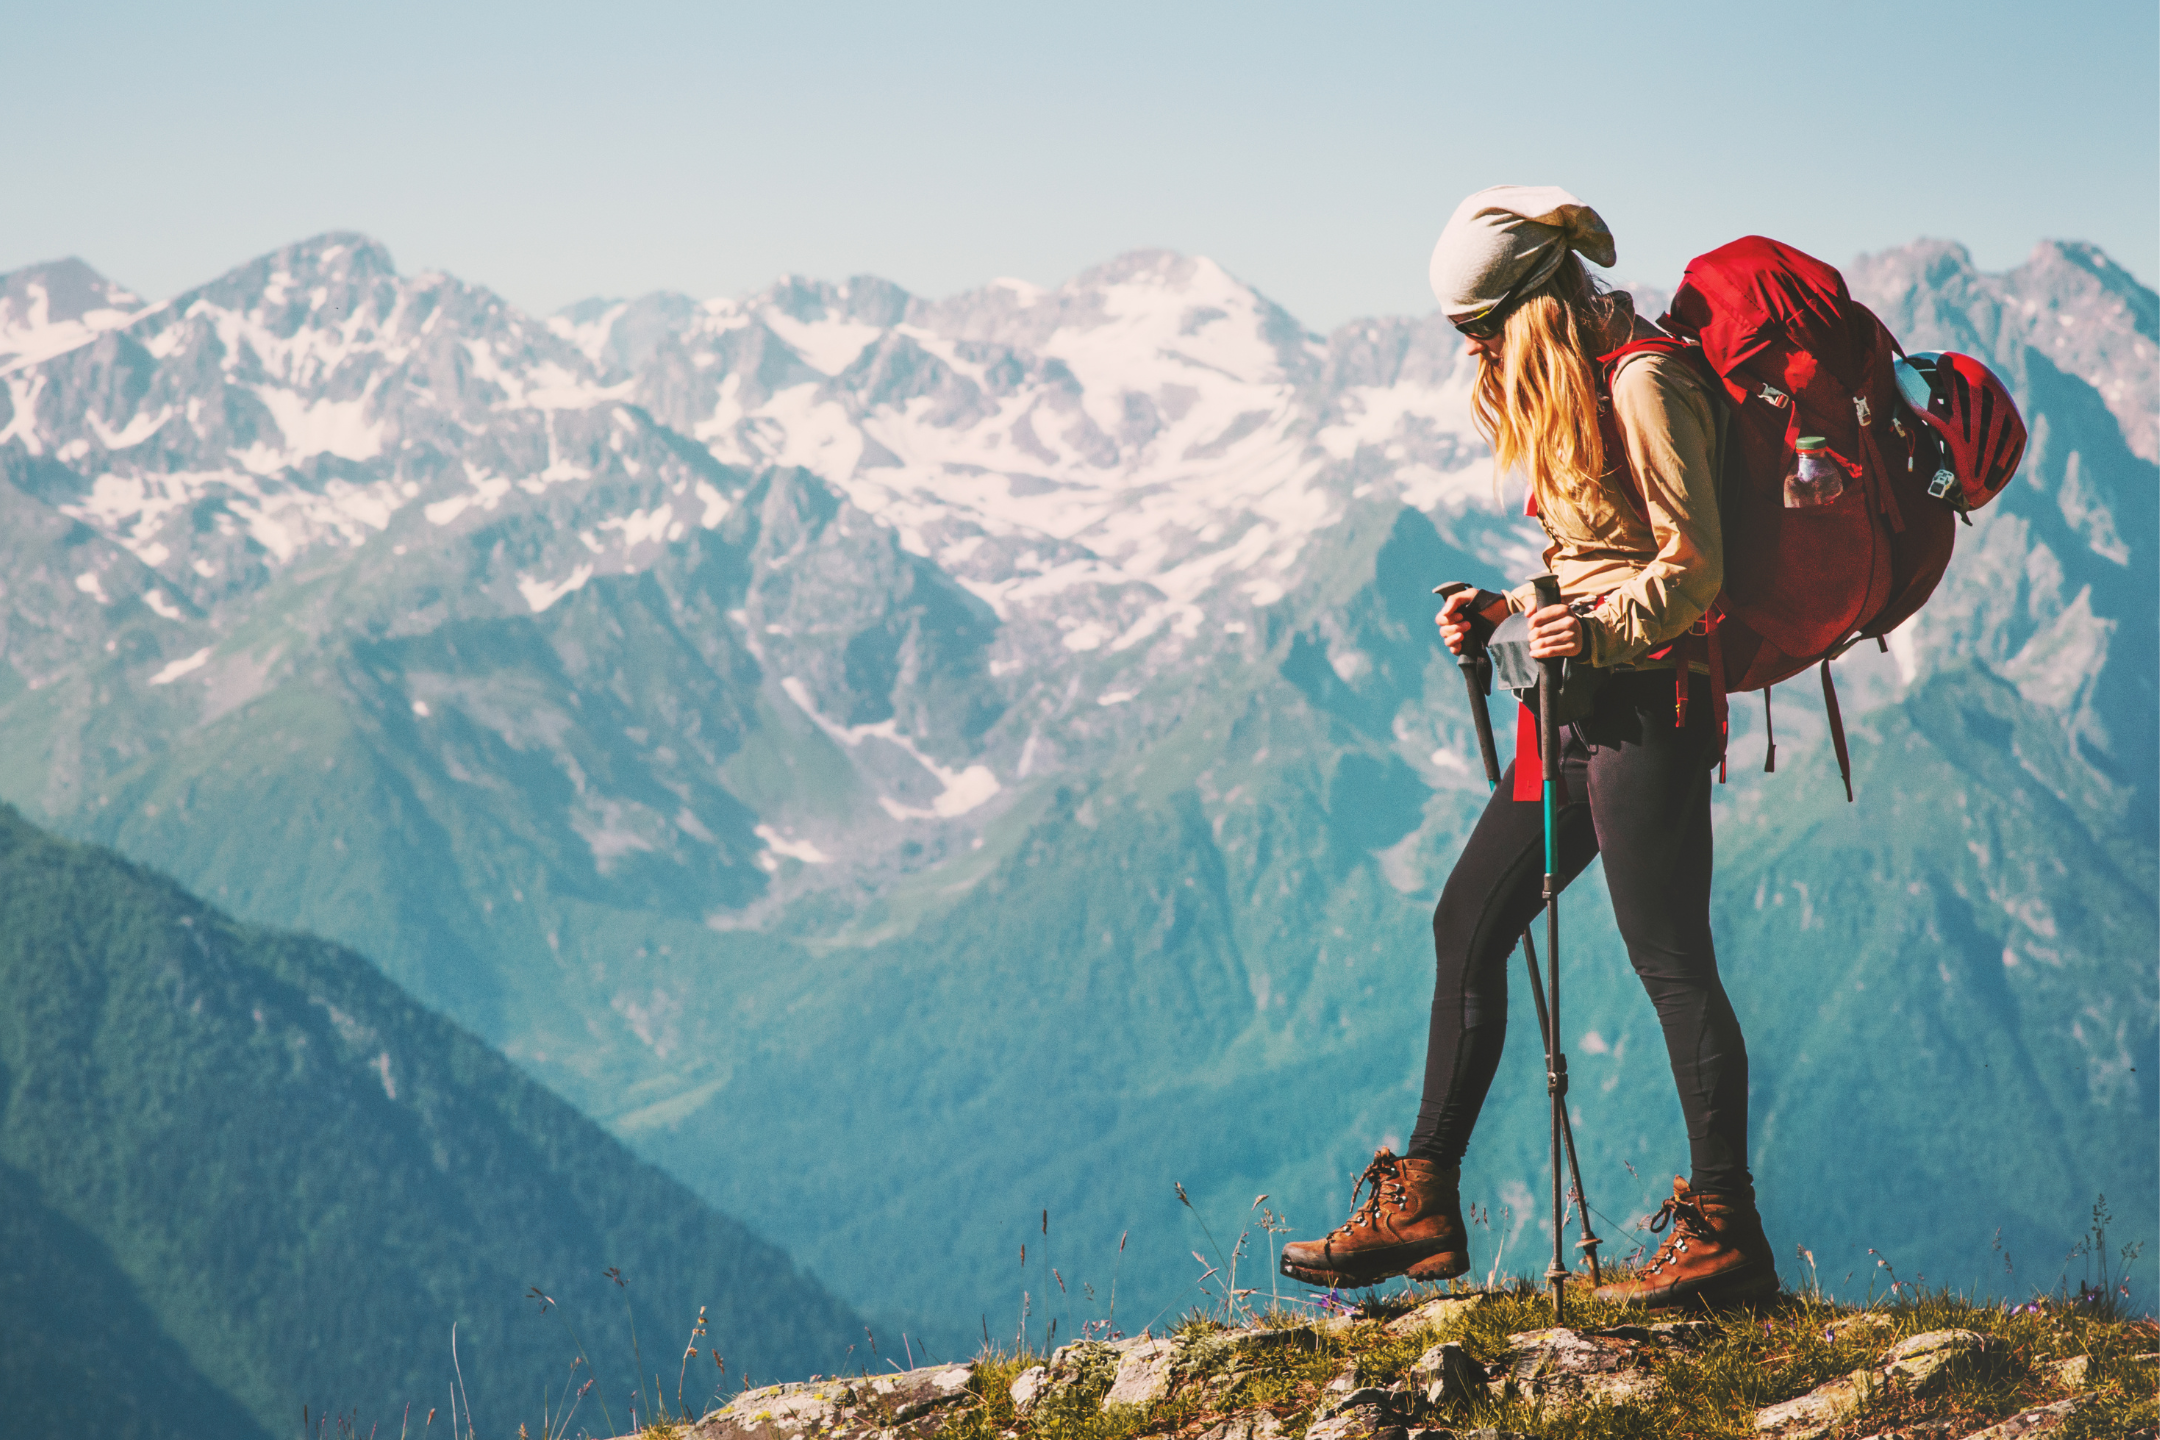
1547, 587
1476, 668
1471, 647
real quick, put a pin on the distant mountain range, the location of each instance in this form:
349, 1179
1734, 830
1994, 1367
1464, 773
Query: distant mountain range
906, 766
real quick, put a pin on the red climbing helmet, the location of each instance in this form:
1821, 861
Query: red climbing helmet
1983, 437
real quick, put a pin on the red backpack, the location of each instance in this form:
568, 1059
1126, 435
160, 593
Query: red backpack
1797, 355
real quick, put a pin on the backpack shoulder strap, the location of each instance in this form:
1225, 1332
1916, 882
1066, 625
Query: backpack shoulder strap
1608, 367
1609, 364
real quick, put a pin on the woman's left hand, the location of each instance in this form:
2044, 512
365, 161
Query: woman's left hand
1555, 631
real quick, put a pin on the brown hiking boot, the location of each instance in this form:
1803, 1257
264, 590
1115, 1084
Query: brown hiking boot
1716, 1253
1410, 1224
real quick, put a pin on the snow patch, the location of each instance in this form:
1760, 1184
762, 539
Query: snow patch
322, 427
961, 790
1089, 635
178, 668
540, 594
801, 850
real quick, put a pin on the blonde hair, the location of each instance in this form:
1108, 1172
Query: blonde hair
1539, 404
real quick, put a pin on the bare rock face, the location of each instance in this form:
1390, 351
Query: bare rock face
907, 1406
1245, 1425
1144, 1373
1920, 1364
1354, 1422
1857, 1327
1564, 1368
1447, 1374
1147, 1370
2036, 1421
1083, 1371
1926, 1359
1435, 1313
1817, 1413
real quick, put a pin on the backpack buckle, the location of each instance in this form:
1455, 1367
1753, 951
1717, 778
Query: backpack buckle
1860, 408
1774, 395
1942, 484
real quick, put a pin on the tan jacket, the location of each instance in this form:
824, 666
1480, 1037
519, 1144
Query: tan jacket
1659, 575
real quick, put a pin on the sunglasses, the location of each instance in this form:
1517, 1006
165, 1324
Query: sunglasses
1490, 321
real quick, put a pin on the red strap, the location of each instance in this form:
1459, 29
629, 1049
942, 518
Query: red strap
1719, 715
1650, 345
1769, 759
1837, 730
1884, 500
1529, 764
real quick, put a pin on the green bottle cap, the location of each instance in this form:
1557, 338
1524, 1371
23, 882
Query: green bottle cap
1811, 442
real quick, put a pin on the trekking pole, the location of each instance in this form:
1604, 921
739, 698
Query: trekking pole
1547, 589
1476, 668
1589, 1242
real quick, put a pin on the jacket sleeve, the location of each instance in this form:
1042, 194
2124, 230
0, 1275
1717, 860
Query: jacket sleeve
1670, 429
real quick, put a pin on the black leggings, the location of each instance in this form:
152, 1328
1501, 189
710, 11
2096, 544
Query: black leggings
1639, 792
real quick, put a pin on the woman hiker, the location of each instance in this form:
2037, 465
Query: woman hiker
1637, 778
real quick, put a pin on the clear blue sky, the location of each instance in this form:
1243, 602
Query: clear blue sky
557, 151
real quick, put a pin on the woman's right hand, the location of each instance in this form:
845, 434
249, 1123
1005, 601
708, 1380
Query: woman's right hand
1455, 614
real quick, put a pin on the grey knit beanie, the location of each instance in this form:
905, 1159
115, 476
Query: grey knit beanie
1508, 240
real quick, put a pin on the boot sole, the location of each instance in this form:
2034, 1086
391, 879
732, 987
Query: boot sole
1714, 1293
1444, 1266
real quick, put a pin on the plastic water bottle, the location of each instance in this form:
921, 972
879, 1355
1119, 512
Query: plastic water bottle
1814, 477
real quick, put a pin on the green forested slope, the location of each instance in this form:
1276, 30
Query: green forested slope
245, 1173
85, 1355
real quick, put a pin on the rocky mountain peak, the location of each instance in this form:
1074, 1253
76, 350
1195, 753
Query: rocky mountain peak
56, 305
2069, 303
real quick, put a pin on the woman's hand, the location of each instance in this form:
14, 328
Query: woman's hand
1455, 613
1555, 631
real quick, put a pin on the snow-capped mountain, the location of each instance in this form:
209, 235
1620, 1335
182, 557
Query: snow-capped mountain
1099, 466
817, 708
49, 309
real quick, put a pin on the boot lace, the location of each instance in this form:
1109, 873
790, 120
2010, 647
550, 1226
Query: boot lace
1385, 1178
1687, 1222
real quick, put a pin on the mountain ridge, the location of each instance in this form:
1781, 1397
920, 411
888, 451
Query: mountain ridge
822, 709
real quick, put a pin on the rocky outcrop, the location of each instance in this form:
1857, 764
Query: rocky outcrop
1093, 1375
1447, 1374
1920, 1365
1564, 1368
911, 1405
1435, 1313
1143, 1370
2036, 1421
1339, 1379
